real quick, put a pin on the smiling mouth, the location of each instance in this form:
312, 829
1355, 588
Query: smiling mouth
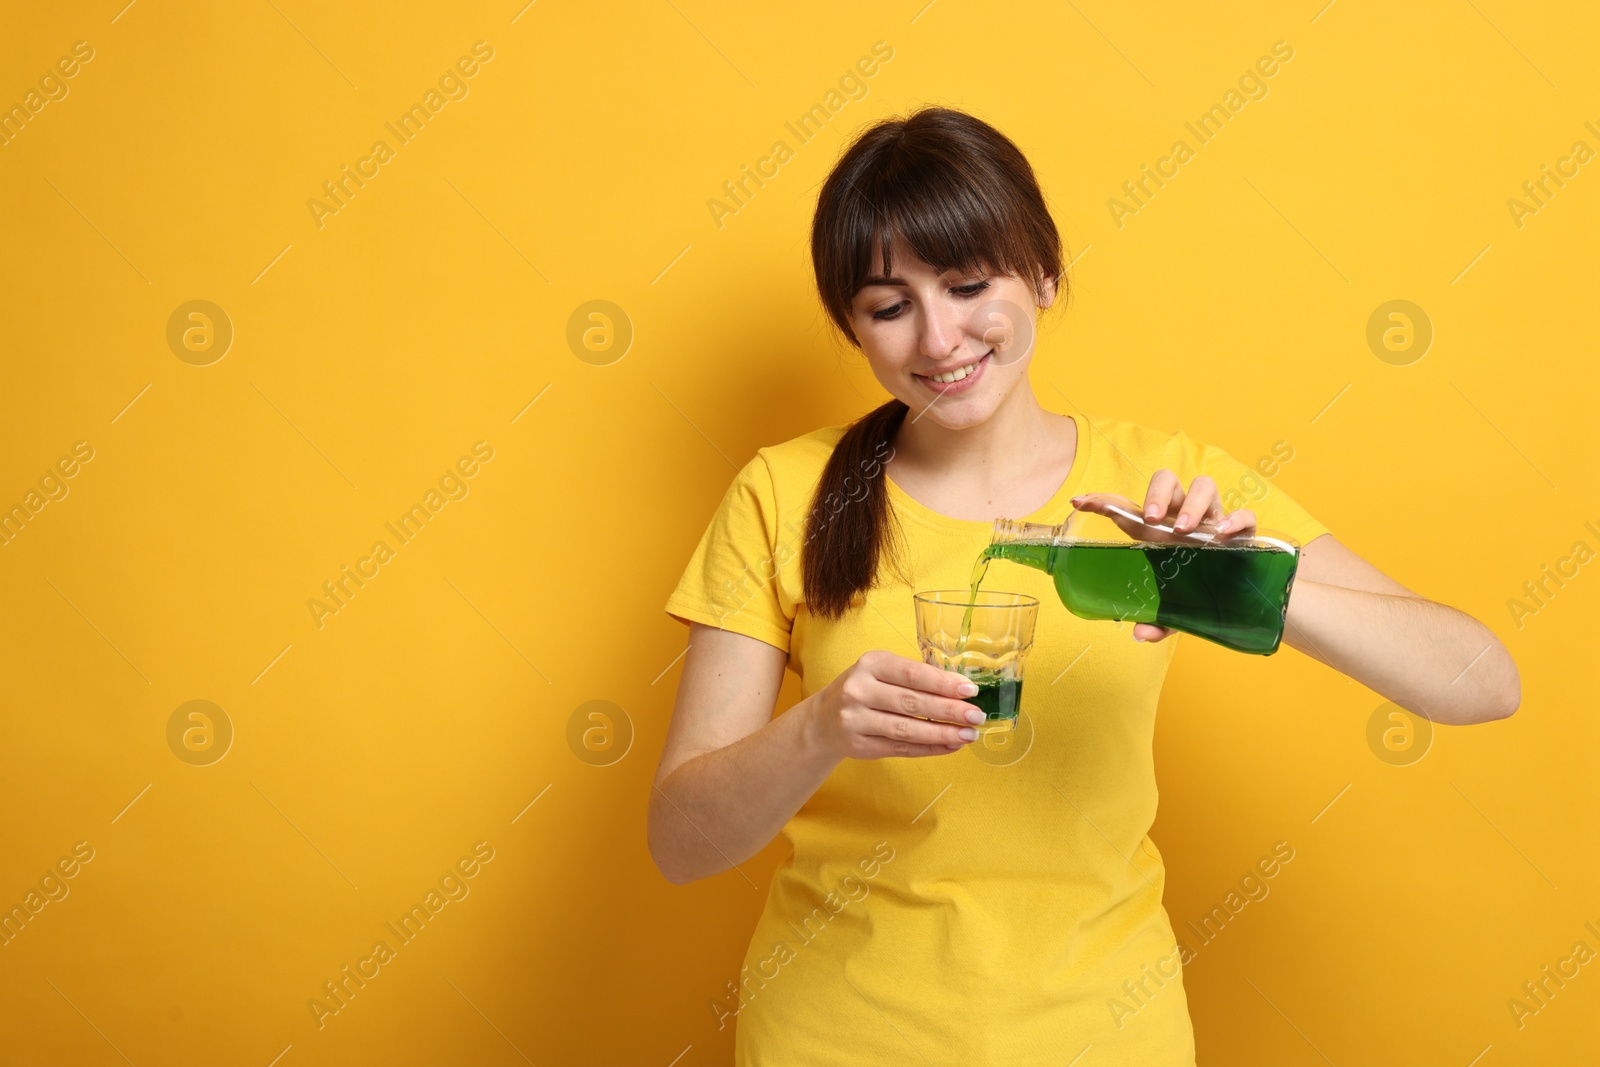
963, 372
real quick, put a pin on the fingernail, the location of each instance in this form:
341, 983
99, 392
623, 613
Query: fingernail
967, 689
975, 716
968, 733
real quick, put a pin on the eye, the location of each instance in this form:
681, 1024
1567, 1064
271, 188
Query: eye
964, 290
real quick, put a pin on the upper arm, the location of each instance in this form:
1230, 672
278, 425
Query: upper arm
728, 691
1323, 558
1326, 561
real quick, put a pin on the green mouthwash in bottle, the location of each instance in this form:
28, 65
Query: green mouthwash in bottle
1235, 593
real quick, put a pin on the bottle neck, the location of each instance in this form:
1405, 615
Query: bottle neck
1012, 531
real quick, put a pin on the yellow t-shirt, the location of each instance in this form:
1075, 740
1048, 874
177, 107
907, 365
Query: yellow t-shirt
994, 905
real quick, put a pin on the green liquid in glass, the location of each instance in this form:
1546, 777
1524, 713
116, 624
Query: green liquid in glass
998, 697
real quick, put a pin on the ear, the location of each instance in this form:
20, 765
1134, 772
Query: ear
1047, 293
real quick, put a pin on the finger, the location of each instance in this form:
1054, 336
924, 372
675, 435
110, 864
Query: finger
1165, 490
892, 727
901, 702
1099, 504
882, 748
1102, 504
1200, 502
914, 674
1241, 523
1148, 632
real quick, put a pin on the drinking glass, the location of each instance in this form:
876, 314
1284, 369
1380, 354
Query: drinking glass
985, 636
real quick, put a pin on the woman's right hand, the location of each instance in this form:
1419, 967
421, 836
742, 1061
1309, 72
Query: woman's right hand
872, 709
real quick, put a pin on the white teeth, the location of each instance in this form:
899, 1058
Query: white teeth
955, 375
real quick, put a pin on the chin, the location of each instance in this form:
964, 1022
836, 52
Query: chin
957, 417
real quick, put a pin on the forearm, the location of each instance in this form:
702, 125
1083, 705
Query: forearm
1428, 658
722, 807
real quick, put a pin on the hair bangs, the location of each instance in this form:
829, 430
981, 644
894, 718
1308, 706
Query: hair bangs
939, 217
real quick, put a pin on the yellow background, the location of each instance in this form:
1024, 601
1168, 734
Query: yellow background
369, 354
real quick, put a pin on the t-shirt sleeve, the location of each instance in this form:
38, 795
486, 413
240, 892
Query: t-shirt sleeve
732, 580
1240, 486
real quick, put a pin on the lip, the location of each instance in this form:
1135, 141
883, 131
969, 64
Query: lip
949, 388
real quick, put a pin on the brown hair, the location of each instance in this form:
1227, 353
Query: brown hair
962, 197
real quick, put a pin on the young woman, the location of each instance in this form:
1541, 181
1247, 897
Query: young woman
945, 906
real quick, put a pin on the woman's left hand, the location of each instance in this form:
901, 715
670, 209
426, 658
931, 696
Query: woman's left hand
1166, 502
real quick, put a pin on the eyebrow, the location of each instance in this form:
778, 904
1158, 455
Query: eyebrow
880, 280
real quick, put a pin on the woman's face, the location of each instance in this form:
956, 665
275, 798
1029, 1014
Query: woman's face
919, 326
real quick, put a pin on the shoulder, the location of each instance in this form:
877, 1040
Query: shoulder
794, 467
1144, 447
807, 453
781, 479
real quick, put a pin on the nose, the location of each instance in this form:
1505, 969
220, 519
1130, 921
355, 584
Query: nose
943, 330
